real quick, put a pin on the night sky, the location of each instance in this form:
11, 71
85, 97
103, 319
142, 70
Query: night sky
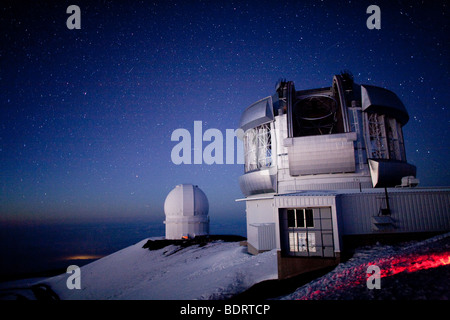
87, 115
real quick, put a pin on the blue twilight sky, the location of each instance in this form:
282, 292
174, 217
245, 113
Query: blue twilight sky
87, 115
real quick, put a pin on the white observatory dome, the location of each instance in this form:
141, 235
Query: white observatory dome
186, 209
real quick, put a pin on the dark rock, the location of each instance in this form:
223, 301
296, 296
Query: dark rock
183, 243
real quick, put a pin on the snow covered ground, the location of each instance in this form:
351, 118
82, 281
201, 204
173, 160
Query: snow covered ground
217, 270
220, 270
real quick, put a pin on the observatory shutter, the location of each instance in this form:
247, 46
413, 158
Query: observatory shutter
259, 113
321, 154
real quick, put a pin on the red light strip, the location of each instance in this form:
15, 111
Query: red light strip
416, 263
388, 266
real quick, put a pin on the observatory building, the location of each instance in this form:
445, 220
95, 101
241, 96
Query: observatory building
325, 169
186, 209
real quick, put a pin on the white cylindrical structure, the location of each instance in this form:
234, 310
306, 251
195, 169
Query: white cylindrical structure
186, 209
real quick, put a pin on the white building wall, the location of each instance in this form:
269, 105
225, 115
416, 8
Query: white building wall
412, 210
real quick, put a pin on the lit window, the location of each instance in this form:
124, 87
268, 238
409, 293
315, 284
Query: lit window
311, 242
302, 242
293, 242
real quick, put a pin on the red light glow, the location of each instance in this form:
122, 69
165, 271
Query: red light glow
390, 266
416, 263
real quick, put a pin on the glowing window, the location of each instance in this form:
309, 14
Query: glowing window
302, 242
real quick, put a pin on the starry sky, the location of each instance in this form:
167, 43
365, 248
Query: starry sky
87, 115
